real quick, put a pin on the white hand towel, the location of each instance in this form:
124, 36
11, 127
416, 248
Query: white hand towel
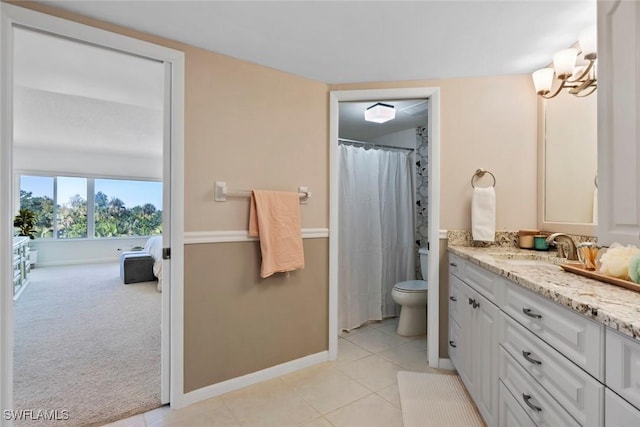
483, 214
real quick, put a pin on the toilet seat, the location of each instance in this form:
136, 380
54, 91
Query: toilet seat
412, 286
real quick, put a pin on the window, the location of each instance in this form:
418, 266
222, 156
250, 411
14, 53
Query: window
127, 208
85, 207
36, 194
71, 208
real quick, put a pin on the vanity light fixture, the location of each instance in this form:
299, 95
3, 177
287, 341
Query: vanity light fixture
575, 70
380, 113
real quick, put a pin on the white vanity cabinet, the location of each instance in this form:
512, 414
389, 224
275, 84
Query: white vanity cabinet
619, 121
525, 360
473, 339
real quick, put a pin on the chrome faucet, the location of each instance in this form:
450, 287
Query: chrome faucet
572, 252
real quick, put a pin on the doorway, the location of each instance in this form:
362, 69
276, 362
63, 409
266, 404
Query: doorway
88, 164
171, 123
432, 95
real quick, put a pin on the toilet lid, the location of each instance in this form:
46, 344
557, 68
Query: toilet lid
411, 286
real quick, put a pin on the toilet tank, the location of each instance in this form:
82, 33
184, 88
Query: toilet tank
424, 262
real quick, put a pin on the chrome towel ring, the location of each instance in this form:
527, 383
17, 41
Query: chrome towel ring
479, 174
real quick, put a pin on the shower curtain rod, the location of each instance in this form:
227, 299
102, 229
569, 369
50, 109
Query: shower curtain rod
353, 141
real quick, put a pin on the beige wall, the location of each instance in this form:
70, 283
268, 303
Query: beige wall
237, 323
487, 122
253, 127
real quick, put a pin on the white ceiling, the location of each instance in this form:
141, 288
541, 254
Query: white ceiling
359, 41
71, 96
330, 41
410, 114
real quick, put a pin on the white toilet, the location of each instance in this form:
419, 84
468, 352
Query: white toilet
412, 296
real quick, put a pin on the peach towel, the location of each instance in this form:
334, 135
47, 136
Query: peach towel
274, 217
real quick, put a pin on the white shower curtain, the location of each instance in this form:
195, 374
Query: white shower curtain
376, 232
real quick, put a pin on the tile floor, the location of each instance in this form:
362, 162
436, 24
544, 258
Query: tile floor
360, 388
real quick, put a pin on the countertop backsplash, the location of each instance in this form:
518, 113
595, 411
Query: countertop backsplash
504, 239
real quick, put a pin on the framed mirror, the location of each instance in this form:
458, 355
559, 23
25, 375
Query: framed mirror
567, 164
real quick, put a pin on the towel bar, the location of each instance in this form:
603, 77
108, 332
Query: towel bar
221, 193
479, 174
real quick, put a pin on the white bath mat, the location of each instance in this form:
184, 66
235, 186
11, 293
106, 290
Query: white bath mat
435, 400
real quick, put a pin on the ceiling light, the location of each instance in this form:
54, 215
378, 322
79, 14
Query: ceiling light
380, 113
574, 69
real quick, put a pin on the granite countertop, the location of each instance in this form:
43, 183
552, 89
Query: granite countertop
614, 306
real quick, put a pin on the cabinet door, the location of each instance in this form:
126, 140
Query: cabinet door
618, 122
618, 413
484, 324
466, 349
623, 366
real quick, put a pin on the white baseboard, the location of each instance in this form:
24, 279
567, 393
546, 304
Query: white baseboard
446, 364
252, 378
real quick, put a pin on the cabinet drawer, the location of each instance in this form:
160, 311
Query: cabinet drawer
510, 413
454, 343
619, 413
456, 265
580, 394
455, 298
623, 366
577, 337
481, 280
543, 409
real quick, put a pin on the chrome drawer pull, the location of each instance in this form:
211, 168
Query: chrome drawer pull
527, 355
453, 264
527, 398
471, 301
452, 298
530, 313
452, 344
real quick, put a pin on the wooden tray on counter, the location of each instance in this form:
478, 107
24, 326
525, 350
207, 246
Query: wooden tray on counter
581, 270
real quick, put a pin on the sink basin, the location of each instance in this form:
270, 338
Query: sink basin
524, 258
520, 261
517, 256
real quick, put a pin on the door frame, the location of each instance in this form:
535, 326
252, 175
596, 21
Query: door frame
173, 295
433, 126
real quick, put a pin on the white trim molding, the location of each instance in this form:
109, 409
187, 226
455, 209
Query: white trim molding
254, 378
443, 234
433, 95
199, 237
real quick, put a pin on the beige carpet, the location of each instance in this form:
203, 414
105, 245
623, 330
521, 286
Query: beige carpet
87, 344
434, 400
